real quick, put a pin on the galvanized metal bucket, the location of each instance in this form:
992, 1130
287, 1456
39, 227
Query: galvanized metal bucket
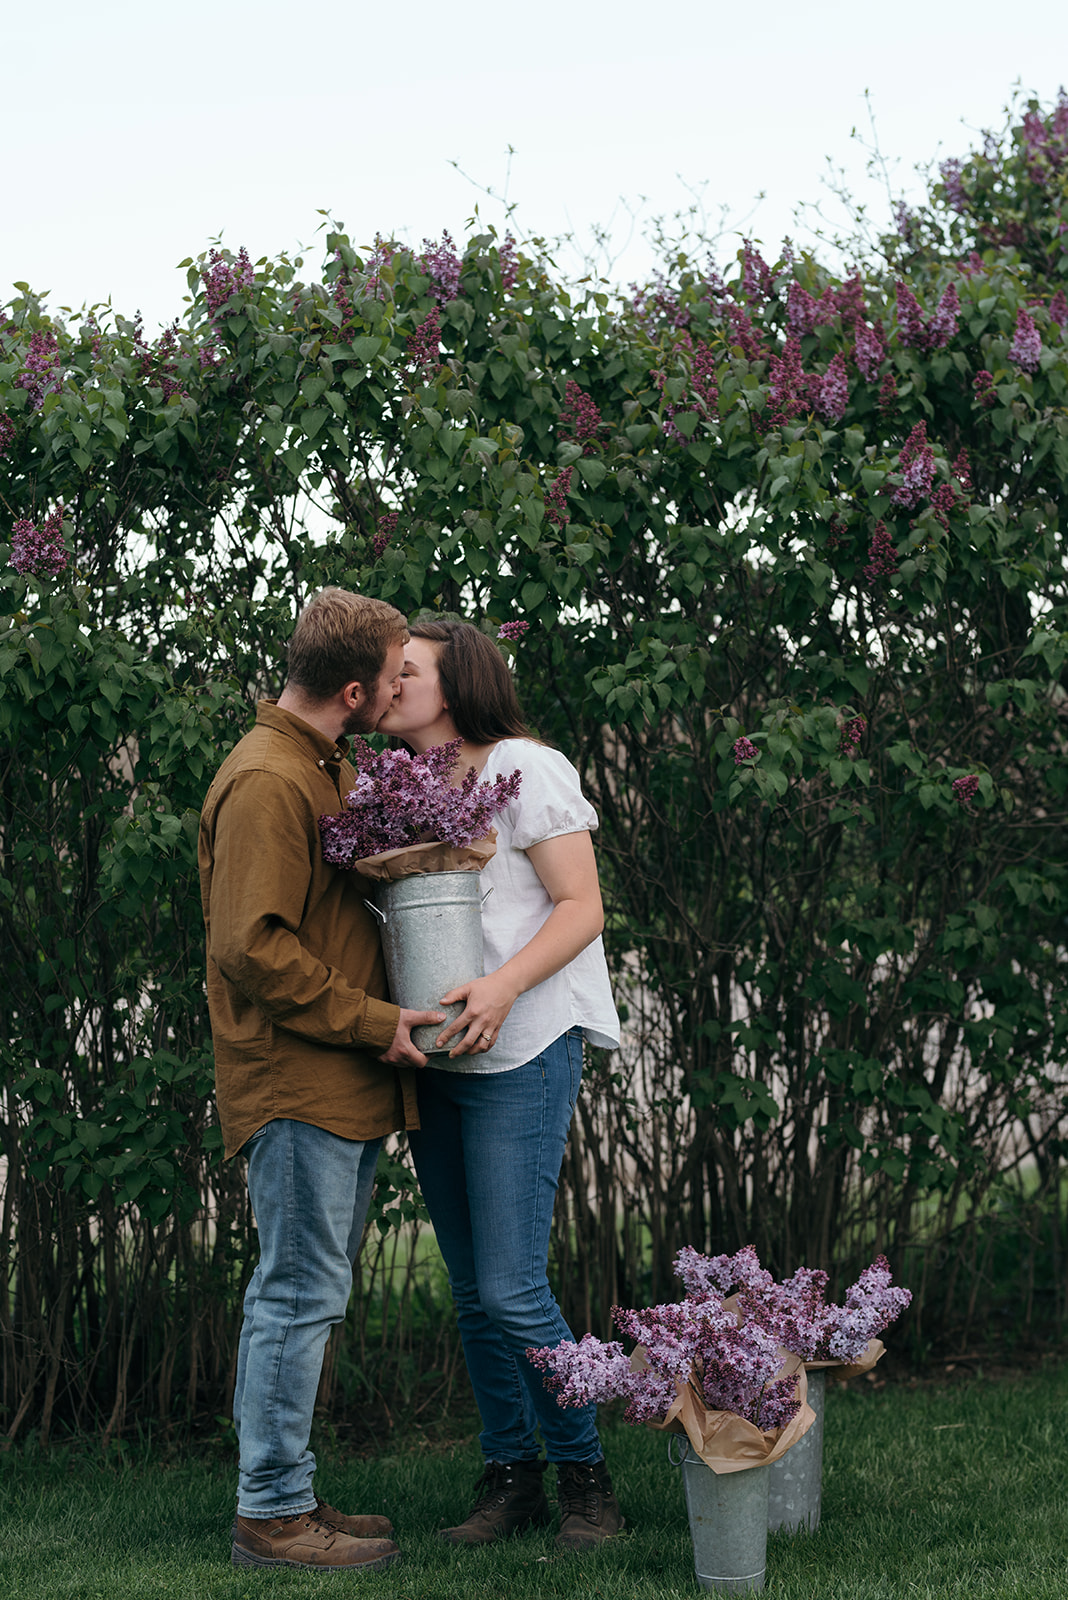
728, 1514
431, 926
797, 1477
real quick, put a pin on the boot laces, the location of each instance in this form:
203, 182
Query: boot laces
493, 1484
579, 1494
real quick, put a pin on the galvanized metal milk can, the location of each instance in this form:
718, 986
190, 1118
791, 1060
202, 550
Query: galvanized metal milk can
728, 1514
431, 927
796, 1481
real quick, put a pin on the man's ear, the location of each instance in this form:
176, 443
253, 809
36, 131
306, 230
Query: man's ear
353, 696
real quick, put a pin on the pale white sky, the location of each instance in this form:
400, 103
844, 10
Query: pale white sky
136, 131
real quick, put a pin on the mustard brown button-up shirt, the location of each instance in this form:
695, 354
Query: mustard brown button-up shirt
296, 982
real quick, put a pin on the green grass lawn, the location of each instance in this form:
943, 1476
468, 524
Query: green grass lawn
931, 1490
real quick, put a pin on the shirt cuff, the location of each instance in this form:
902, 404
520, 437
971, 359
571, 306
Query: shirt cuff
378, 1026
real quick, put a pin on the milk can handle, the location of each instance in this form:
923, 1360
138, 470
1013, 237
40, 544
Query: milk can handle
381, 915
487, 894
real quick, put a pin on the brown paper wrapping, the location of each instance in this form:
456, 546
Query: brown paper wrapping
413, 859
855, 1369
725, 1441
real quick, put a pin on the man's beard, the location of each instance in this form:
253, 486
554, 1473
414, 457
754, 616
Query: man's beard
361, 719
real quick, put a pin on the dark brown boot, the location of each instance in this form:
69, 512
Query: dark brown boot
589, 1511
305, 1541
509, 1496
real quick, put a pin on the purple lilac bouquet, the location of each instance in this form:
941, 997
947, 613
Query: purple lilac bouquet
403, 799
729, 1353
794, 1312
729, 1365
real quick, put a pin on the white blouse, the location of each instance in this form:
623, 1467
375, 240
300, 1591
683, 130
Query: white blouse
550, 803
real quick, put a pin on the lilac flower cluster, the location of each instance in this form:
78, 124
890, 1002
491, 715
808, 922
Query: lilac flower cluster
882, 557
512, 630
851, 735
743, 334
888, 394
869, 348
1046, 138
7, 432
1026, 347
508, 259
403, 799
556, 500
656, 305
794, 1312
424, 345
387, 527
834, 390
804, 313
744, 750
579, 418
972, 264
341, 294
39, 552
917, 466
904, 221
796, 393
757, 281
962, 471
42, 372
921, 333
965, 789
702, 393
1058, 309
983, 388
209, 355
943, 499
952, 181
160, 366
381, 255
223, 279
731, 1366
441, 264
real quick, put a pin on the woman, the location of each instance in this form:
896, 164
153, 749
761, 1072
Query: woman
495, 1110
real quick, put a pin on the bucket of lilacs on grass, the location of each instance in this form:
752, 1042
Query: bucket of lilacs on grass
840, 1339
722, 1370
422, 840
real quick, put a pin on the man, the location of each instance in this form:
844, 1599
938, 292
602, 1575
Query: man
312, 1066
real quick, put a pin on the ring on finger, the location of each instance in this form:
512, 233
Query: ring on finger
488, 1036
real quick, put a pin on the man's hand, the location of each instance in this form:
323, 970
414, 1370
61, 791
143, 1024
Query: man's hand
402, 1052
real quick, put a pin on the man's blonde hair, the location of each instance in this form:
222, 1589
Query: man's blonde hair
342, 638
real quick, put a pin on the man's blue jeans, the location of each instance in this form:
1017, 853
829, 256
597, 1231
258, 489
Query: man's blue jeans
310, 1191
488, 1157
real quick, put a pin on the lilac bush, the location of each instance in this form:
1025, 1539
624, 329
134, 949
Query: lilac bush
404, 799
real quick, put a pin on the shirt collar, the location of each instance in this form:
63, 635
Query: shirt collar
323, 751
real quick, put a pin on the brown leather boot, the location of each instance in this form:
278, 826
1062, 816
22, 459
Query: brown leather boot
509, 1496
366, 1525
589, 1511
305, 1541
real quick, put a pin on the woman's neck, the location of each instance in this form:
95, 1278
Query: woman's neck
471, 755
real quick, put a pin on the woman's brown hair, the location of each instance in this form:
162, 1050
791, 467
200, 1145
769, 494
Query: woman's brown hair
476, 684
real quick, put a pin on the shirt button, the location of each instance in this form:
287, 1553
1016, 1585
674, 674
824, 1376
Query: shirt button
322, 763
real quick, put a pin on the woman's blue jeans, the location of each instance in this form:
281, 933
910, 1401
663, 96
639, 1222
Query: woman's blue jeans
488, 1155
310, 1191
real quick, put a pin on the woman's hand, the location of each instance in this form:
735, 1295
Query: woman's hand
487, 1001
